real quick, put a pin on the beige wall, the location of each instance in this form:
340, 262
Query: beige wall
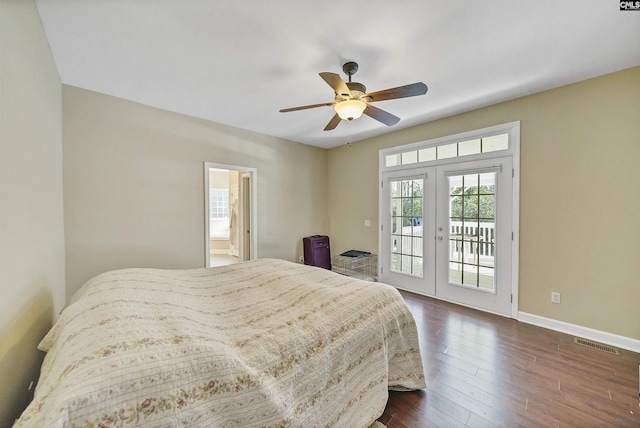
31, 218
134, 186
580, 197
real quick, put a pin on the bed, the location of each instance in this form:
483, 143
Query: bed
262, 343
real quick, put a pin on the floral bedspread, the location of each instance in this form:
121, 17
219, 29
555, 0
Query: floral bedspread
262, 343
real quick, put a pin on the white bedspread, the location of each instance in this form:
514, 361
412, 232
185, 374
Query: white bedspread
262, 343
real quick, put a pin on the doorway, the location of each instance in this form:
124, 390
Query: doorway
230, 214
449, 225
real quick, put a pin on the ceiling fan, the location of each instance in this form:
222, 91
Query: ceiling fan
352, 99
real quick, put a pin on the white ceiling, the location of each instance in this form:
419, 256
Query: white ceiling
238, 62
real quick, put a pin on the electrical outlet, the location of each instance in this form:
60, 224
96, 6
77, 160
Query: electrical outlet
555, 297
301, 259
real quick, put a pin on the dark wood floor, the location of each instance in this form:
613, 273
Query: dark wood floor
483, 370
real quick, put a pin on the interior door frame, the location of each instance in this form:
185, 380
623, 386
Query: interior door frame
246, 215
513, 130
246, 227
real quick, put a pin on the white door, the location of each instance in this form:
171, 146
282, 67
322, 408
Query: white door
474, 234
447, 232
407, 230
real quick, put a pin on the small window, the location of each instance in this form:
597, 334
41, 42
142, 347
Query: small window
471, 147
409, 157
428, 154
218, 204
393, 160
495, 143
447, 151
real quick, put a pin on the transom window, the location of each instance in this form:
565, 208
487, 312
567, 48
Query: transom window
448, 150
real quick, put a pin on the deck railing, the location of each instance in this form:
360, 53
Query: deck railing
478, 239
475, 239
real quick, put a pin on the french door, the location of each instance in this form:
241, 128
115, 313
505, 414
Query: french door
447, 232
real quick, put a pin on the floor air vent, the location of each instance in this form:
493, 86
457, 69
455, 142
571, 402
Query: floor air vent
596, 345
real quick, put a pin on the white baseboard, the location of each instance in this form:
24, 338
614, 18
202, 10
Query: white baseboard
584, 332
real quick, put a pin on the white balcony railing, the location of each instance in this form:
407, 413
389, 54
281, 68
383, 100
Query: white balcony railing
475, 242
478, 238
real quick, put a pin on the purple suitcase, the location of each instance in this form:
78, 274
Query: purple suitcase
317, 251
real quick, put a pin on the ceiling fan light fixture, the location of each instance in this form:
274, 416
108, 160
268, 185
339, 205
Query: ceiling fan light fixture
350, 109
352, 99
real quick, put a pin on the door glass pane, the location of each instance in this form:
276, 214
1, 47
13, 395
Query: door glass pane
472, 230
470, 211
396, 240
470, 184
416, 269
396, 229
406, 264
487, 183
455, 249
395, 262
469, 275
396, 207
395, 189
486, 203
406, 225
417, 247
406, 245
455, 273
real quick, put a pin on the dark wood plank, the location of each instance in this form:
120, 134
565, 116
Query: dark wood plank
484, 370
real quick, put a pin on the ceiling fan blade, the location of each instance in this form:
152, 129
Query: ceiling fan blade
400, 92
335, 81
381, 115
335, 120
284, 110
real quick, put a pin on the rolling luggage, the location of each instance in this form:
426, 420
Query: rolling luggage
317, 251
